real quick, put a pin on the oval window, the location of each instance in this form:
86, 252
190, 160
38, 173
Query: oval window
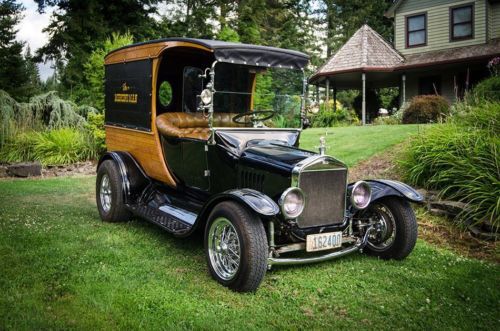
165, 93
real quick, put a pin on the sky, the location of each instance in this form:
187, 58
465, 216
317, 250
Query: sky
30, 31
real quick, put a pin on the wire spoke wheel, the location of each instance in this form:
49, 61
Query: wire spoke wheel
224, 248
105, 193
385, 228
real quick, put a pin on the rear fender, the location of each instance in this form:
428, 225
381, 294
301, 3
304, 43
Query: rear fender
133, 178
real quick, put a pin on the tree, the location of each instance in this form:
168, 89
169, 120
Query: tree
78, 27
34, 83
13, 74
92, 93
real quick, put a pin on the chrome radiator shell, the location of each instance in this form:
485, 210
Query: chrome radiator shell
323, 180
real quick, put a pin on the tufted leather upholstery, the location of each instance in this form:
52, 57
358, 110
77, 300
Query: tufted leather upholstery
191, 125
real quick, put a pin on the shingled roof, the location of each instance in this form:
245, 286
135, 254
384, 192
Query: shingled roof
366, 50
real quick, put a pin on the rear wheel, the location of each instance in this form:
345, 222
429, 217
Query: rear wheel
236, 247
109, 195
395, 226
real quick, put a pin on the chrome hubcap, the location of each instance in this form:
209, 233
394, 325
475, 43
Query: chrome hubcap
105, 193
385, 228
224, 248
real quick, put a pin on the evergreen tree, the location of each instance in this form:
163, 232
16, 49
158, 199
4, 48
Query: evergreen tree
78, 27
13, 75
34, 84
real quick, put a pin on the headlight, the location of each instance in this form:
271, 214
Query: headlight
206, 96
292, 202
361, 195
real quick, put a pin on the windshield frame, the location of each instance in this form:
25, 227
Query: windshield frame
211, 87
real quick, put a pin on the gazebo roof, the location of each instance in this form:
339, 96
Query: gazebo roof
365, 51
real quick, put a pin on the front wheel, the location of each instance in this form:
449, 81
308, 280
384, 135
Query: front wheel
236, 247
395, 226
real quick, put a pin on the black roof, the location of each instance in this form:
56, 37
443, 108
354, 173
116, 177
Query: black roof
231, 52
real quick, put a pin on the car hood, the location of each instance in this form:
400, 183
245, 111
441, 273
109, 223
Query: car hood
273, 156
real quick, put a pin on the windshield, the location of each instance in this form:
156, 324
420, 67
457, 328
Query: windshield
277, 91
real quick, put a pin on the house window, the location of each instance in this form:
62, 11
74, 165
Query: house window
416, 30
462, 22
429, 85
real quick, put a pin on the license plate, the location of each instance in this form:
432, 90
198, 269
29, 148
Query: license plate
323, 241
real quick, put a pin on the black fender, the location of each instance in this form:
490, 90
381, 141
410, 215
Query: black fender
256, 201
384, 187
133, 177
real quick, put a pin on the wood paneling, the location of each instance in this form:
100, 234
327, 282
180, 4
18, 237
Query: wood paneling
144, 147
147, 51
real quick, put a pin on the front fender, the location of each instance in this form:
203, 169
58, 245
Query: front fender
384, 187
254, 200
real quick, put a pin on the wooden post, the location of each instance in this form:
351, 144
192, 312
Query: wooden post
334, 99
317, 94
403, 94
327, 95
363, 103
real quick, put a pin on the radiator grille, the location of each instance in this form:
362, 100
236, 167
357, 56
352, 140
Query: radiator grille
325, 193
250, 179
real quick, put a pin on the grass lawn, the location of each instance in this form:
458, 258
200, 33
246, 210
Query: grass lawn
355, 143
62, 268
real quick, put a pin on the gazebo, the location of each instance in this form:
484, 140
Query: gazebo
367, 60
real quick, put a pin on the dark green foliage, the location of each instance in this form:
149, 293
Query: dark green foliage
344, 17
373, 104
487, 90
329, 117
95, 128
78, 27
54, 147
462, 159
14, 76
49, 121
426, 109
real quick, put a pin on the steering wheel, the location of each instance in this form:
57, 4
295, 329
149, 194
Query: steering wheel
253, 116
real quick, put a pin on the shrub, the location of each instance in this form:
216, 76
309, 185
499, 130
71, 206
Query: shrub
95, 128
462, 160
393, 119
329, 117
426, 109
487, 90
54, 147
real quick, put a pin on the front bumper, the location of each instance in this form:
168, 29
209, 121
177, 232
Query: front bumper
359, 245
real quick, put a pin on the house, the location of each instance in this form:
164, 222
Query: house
440, 47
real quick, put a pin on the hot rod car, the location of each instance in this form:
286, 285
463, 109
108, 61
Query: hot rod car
196, 140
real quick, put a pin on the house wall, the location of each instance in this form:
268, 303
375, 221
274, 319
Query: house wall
448, 76
438, 24
447, 83
494, 20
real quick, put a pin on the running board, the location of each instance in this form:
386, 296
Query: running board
172, 219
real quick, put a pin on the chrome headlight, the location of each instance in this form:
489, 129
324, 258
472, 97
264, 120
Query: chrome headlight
292, 202
361, 195
206, 96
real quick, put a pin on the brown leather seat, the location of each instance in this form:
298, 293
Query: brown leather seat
191, 125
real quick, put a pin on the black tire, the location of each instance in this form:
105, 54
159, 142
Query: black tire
252, 243
404, 223
116, 211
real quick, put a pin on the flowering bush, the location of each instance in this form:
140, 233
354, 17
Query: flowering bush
494, 66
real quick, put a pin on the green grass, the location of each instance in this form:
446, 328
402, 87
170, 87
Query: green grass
62, 268
355, 143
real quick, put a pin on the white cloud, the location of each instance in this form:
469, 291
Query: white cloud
30, 31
